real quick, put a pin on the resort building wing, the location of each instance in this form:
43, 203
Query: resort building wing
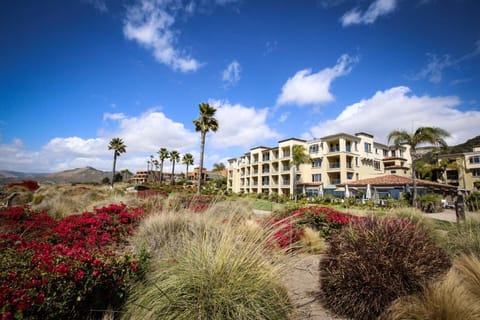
335, 159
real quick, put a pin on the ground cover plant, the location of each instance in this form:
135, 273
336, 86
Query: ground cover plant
374, 261
66, 268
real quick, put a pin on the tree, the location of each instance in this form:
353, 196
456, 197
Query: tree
188, 161
218, 166
423, 135
299, 156
118, 147
174, 157
155, 164
126, 174
162, 155
205, 123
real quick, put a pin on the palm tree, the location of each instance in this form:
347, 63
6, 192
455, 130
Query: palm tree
423, 135
155, 164
174, 157
118, 147
299, 156
188, 161
162, 155
218, 166
206, 122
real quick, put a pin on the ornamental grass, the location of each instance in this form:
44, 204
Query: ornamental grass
212, 275
454, 297
374, 261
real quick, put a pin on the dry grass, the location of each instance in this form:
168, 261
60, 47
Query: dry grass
454, 297
311, 241
218, 269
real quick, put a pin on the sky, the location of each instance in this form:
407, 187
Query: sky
74, 74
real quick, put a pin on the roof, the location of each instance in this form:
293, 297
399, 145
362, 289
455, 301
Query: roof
394, 180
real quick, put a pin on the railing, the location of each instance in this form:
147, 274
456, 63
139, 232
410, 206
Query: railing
335, 165
335, 181
335, 149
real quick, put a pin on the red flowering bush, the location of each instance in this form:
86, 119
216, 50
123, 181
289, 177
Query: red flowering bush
289, 226
200, 203
28, 184
144, 194
63, 269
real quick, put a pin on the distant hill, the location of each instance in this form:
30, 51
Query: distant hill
78, 175
430, 155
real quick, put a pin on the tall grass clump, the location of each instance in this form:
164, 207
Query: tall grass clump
224, 275
373, 262
464, 238
454, 297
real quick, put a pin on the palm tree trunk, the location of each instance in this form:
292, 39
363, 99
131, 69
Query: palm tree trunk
114, 165
414, 180
173, 173
161, 172
186, 175
200, 171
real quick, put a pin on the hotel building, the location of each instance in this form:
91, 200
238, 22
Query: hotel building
462, 170
335, 159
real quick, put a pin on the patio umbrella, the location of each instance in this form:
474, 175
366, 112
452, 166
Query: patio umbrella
320, 191
376, 196
368, 193
347, 193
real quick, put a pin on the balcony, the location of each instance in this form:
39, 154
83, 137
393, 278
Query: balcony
334, 165
285, 169
334, 181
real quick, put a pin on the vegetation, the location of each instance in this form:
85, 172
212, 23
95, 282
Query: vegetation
374, 261
208, 270
188, 161
454, 297
174, 158
162, 155
118, 147
464, 239
205, 123
432, 135
299, 156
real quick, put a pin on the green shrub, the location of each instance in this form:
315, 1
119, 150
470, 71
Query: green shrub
215, 276
430, 202
465, 238
373, 262
473, 201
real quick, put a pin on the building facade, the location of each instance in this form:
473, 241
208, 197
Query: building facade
335, 159
461, 169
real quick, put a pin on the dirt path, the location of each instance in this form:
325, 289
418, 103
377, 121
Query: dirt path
302, 283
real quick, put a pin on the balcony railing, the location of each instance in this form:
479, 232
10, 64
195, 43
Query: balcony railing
335, 181
334, 165
286, 169
334, 149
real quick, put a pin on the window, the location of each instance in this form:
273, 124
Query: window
401, 153
393, 171
368, 147
393, 153
385, 152
349, 175
313, 148
476, 172
475, 159
317, 163
348, 146
356, 161
317, 177
356, 146
334, 147
376, 165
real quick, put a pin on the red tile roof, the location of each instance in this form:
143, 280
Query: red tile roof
394, 180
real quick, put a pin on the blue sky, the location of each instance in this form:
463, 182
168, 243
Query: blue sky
74, 74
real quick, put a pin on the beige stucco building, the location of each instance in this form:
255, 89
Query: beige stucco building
463, 170
335, 159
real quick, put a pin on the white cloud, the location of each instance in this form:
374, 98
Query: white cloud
150, 24
100, 5
436, 65
306, 87
240, 126
397, 108
143, 135
376, 9
283, 117
231, 75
